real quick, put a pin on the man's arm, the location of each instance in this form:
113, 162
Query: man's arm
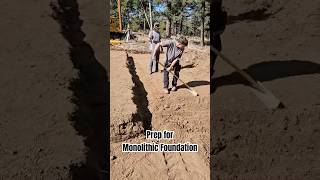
150, 36
160, 45
172, 64
156, 49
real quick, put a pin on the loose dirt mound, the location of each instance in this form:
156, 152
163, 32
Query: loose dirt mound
280, 49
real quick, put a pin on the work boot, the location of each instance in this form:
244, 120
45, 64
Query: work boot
174, 88
166, 91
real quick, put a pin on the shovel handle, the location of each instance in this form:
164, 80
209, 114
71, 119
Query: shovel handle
244, 74
176, 77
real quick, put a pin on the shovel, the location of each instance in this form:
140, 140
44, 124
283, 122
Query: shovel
193, 92
265, 95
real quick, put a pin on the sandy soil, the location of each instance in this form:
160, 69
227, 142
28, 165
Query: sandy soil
179, 111
278, 46
45, 98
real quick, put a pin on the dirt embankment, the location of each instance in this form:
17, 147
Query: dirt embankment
280, 49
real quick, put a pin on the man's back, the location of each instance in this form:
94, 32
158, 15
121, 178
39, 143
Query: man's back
173, 51
154, 37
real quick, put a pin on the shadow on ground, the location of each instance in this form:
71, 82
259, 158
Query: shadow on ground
194, 84
139, 97
254, 15
189, 66
268, 71
90, 94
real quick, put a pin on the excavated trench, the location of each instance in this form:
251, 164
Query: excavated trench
90, 93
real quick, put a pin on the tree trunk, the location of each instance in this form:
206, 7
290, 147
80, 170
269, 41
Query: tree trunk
145, 14
150, 11
168, 27
202, 22
169, 20
119, 15
181, 25
177, 27
127, 16
202, 32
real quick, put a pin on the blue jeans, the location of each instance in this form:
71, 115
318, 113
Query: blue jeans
153, 62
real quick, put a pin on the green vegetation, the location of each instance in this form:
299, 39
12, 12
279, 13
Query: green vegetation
185, 17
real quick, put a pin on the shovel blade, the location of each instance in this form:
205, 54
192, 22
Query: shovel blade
266, 97
193, 92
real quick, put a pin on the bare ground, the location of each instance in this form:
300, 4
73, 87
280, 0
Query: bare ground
53, 89
179, 111
278, 46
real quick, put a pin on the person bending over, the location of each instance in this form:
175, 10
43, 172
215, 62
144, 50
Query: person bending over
174, 52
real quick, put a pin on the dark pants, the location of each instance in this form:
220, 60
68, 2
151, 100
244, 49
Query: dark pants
176, 69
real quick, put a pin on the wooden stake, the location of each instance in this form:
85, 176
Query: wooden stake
119, 16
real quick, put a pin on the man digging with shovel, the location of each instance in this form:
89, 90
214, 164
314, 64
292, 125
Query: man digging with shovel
174, 52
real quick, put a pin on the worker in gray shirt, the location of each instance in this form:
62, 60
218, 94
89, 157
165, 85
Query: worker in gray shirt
174, 52
154, 38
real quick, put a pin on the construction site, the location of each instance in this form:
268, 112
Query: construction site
138, 104
252, 137
55, 74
